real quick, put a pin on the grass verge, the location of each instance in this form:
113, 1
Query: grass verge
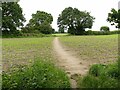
41, 74
101, 76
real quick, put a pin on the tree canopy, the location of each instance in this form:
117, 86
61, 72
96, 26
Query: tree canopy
74, 20
114, 17
104, 28
12, 17
41, 21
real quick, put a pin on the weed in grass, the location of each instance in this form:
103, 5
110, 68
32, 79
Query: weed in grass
42, 74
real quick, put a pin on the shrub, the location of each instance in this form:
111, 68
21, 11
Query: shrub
97, 69
101, 76
112, 71
90, 32
88, 81
104, 28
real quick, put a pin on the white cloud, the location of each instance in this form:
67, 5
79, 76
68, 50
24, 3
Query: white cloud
98, 8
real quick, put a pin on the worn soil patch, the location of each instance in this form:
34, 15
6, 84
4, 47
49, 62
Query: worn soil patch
69, 62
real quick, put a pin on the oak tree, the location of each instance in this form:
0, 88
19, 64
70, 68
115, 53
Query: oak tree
41, 21
114, 17
12, 18
75, 21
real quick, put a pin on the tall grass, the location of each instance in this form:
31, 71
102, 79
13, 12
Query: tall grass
101, 76
41, 74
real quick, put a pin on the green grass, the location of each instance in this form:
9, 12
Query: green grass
101, 49
98, 49
101, 76
41, 74
28, 64
60, 34
24, 50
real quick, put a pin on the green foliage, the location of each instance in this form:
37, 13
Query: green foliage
61, 30
96, 70
88, 82
45, 28
32, 35
112, 71
114, 17
104, 28
42, 74
41, 21
115, 32
74, 20
53, 30
90, 32
12, 18
101, 76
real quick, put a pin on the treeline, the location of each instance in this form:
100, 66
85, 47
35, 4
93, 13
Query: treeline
13, 22
70, 19
76, 22
90, 32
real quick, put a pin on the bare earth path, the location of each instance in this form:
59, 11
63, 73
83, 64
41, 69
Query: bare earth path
71, 64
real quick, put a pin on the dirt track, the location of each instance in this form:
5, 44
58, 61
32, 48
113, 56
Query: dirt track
71, 64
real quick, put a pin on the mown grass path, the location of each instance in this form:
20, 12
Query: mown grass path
71, 64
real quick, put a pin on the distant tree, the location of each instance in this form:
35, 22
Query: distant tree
74, 20
12, 18
53, 30
0, 18
114, 17
61, 29
0, 15
105, 28
45, 28
89, 32
41, 21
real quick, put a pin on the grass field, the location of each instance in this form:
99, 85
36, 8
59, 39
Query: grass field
102, 50
97, 49
28, 64
60, 34
23, 50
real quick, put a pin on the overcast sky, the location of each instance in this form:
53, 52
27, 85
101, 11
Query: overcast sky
98, 8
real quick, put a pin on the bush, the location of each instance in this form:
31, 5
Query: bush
45, 28
104, 28
33, 35
97, 70
101, 76
42, 74
90, 32
88, 81
112, 71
